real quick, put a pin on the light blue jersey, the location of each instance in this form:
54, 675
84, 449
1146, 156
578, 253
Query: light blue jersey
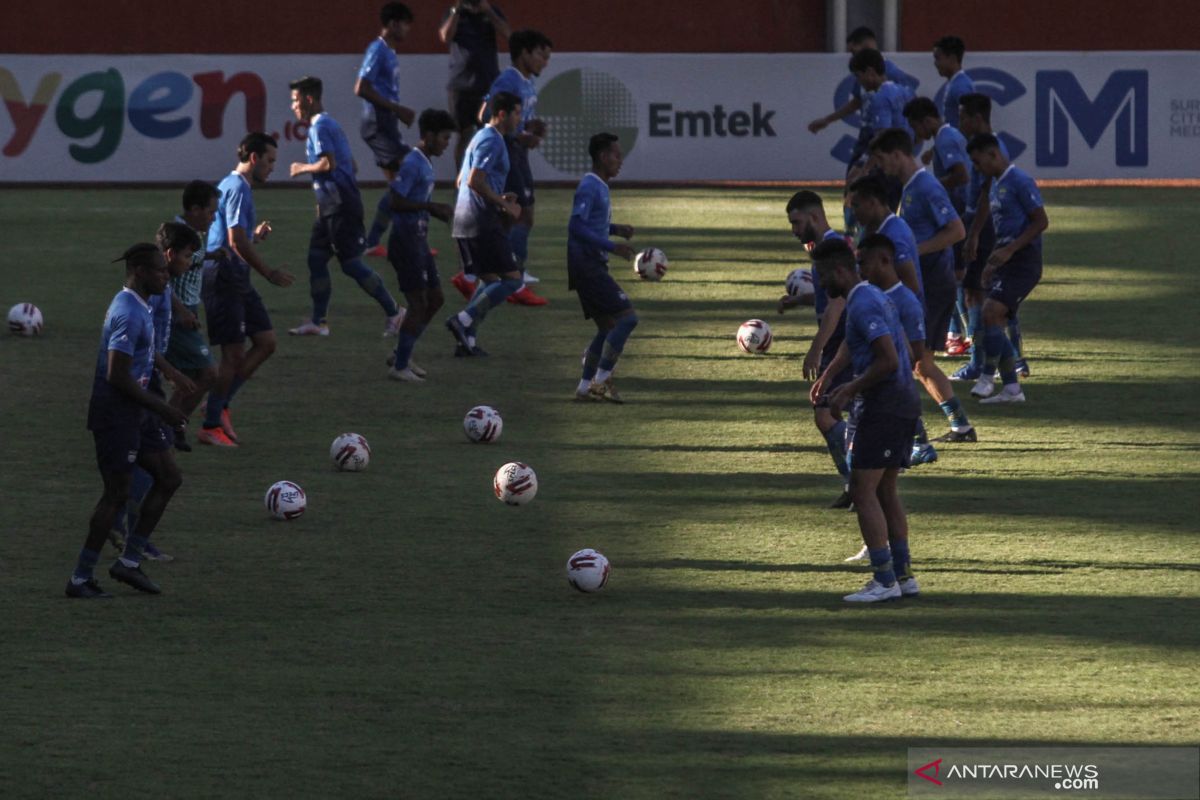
869, 316
381, 69
1013, 197
160, 313
336, 190
235, 209
413, 182
884, 107
129, 329
958, 85
591, 221
975, 188
905, 243
911, 311
925, 205
949, 149
472, 214
513, 82
892, 73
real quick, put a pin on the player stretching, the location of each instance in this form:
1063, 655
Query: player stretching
883, 419
1014, 267
588, 247
408, 246
927, 209
234, 309
481, 212
806, 213
124, 420
378, 85
338, 228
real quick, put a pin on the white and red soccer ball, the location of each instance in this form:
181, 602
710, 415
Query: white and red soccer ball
650, 264
24, 319
799, 283
350, 452
588, 570
285, 500
754, 337
483, 424
515, 483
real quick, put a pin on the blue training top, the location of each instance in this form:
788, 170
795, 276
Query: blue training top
381, 69
905, 243
949, 149
1013, 197
235, 209
911, 311
959, 84
473, 214
591, 222
129, 329
336, 190
975, 187
513, 82
869, 316
413, 182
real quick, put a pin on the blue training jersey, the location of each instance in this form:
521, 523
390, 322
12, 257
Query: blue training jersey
925, 205
513, 82
958, 85
892, 73
381, 69
129, 329
820, 298
869, 316
1013, 197
884, 107
472, 214
975, 187
336, 190
235, 209
949, 149
911, 311
413, 182
590, 223
905, 243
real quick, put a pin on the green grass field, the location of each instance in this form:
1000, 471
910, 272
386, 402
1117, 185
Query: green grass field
412, 637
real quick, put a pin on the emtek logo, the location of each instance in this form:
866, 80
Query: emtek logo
1124, 98
665, 121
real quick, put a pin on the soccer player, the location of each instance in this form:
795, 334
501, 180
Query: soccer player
588, 247
806, 214
119, 417
950, 166
234, 309
470, 28
884, 100
481, 211
1014, 267
338, 228
187, 351
947, 60
378, 85
927, 209
883, 419
408, 245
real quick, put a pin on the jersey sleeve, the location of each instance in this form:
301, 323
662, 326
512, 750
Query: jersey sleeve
912, 317
937, 201
122, 332
1028, 194
899, 76
237, 209
870, 319
952, 149
582, 205
486, 152
322, 139
370, 62
406, 178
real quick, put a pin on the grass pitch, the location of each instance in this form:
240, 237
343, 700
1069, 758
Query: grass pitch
412, 637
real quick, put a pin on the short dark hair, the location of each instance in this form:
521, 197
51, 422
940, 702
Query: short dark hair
860, 35
951, 46
436, 120
138, 255
920, 108
176, 236
977, 104
395, 12
878, 241
527, 39
599, 144
503, 101
308, 85
891, 140
871, 186
805, 199
834, 250
981, 142
198, 193
867, 58
255, 143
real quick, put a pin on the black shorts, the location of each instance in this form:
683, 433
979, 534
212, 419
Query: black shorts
408, 252
879, 441
1015, 280
381, 131
487, 253
465, 105
118, 447
599, 293
520, 176
341, 234
233, 308
987, 241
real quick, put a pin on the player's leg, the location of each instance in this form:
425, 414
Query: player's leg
233, 355
897, 526
1014, 336
833, 431
345, 231
490, 257
592, 353
113, 448
939, 306
320, 287
224, 306
159, 463
879, 446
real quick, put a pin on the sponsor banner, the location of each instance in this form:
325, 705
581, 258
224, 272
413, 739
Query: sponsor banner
681, 117
1134, 773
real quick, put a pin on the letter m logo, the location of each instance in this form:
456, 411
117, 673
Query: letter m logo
1125, 98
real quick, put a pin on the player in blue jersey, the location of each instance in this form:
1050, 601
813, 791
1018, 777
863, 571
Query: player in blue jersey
1015, 266
408, 245
338, 227
926, 207
378, 85
951, 166
117, 418
482, 211
948, 54
806, 215
234, 309
588, 246
883, 418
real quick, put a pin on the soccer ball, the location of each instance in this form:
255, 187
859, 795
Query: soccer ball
285, 500
754, 336
650, 264
24, 319
799, 283
350, 452
588, 570
483, 424
515, 483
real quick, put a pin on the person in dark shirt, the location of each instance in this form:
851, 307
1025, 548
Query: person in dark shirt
470, 28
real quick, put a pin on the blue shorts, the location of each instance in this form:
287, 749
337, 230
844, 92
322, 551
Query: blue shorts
341, 234
381, 131
408, 251
487, 253
1014, 281
599, 293
879, 441
233, 308
974, 270
520, 176
118, 447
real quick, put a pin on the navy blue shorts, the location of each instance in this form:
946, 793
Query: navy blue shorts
341, 233
465, 105
879, 441
118, 447
841, 379
487, 253
381, 131
408, 251
599, 294
987, 241
520, 176
1014, 281
233, 308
